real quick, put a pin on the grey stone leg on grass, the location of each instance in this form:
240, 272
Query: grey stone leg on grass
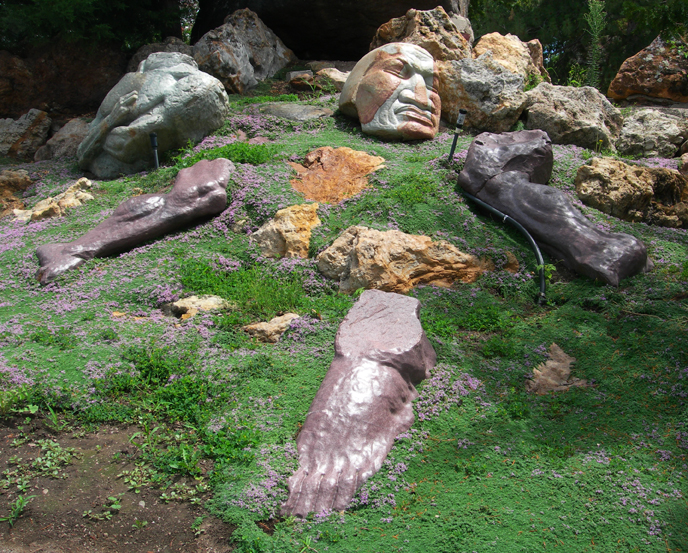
363, 403
198, 192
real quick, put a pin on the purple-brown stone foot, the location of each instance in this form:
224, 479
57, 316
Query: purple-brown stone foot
364, 402
198, 192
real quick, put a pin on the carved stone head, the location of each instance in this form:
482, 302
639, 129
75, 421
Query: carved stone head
392, 90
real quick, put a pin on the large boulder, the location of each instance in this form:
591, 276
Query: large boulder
315, 29
522, 58
242, 52
288, 233
65, 142
547, 214
21, 138
493, 96
363, 403
651, 132
658, 71
60, 77
170, 44
330, 175
394, 261
574, 115
168, 95
633, 193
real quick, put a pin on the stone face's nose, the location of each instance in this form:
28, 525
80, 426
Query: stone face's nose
416, 92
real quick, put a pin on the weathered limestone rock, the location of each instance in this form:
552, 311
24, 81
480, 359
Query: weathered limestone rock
50, 207
658, 71
555, 374
272, 331
12, 183
301, 73
547, 214
634, 193
331, 175
189, 307
650, 132
242, 52
510, 52
288, 234
364, 402
198, 192
334, 76
324, 79
394, 261
463, 25
21, 138
170, 44
573, 115
65, 142
388, 105
432, 30
168, 95
493, 96
295, 112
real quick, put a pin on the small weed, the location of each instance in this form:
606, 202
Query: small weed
196, 525
139, 524
16, 509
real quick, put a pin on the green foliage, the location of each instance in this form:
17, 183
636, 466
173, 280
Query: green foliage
156, 365
16, 509
238, 100
13, 398
578, 75
413, 188
62, 338
239, 152
595, 18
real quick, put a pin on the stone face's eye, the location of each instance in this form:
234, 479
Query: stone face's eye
395, 67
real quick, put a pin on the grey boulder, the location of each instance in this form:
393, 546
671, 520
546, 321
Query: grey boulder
651, 132
65, 142
167, 95
22, 137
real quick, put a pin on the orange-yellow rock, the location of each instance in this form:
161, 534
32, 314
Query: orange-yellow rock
288, 234
513, 54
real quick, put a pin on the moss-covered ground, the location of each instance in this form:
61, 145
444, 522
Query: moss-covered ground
485, 467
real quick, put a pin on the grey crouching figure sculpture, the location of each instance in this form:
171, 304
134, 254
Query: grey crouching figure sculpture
198, 192
363, 403
509, 171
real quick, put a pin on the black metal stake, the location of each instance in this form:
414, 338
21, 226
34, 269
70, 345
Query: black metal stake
459, 125
154, 144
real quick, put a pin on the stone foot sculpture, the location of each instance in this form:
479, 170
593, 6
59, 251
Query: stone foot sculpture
509, 172
198, 192
364, 402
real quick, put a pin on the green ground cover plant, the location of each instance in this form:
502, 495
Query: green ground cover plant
485, 467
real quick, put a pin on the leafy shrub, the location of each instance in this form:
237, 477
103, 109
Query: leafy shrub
156, 365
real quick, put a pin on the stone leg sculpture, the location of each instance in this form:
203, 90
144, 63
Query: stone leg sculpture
509, 172
364, 402
198, 192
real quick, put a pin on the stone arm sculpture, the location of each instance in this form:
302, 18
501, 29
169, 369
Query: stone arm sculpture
364, 402
198, 192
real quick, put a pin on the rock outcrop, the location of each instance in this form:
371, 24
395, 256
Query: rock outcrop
65, 142
167, 95
574, 115
331, 175
651, 132
271, 331
242, 52
21, 138
363, 403
658, 71
288, 233
394, 261
633, 193
522, 58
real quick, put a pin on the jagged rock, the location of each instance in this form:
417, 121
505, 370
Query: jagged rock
189, 307
50, 207
547, 214
65, 142
555, 374
510, 52
364, 402
198, 192
334, 76
650, 132
493, 96
463, 25
573, 115
272, 331
242, 52
330, 175
170, 44
21, 138
634, 193
659, 71
167, 95
295, 112
432, 30
288, 234
394, 261
12, 183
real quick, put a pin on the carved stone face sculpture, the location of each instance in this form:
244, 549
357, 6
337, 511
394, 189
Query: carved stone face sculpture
393, 92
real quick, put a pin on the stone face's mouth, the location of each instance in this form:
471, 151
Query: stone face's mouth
415, 114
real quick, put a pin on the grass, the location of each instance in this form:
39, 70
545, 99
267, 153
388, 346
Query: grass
485, 467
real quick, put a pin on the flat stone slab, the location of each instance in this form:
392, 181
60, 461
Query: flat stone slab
294, 112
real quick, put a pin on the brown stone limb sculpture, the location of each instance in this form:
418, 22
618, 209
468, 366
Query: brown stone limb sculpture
198, 192
364, 402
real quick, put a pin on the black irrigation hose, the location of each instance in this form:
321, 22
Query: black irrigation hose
505, 218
